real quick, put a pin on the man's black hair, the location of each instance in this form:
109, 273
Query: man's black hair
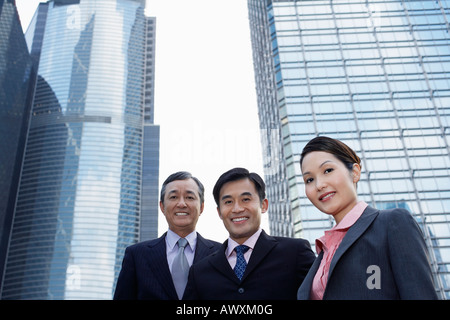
239, 174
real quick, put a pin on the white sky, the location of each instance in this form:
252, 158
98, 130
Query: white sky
205, 98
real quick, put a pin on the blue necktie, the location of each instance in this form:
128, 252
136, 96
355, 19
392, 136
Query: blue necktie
180, 268
241, 264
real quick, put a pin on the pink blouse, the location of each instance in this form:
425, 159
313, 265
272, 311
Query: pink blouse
329, 244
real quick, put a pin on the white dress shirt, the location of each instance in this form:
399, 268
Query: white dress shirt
172, 247
250, 242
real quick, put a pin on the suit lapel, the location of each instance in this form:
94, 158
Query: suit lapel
159, 266
204, 248
353, 234
219, 261
263, 246
305, 289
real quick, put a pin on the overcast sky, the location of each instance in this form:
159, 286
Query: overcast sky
205, 99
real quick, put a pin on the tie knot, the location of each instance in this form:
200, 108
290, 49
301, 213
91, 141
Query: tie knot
241, 249
182, 242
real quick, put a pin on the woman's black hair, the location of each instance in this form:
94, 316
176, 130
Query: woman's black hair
337, 148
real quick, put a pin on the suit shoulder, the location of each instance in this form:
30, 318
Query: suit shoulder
299, 242
207, 242
291, 240
211, 243
143, 244
395, 215
298, 249
398, 222
206, 260
216, 243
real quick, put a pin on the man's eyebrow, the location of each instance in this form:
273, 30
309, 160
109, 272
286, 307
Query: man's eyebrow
227, 196
176, 191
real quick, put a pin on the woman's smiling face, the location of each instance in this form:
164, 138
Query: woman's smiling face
329, 185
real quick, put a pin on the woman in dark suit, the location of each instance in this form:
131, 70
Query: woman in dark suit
369, 253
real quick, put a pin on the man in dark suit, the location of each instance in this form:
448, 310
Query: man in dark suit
148, 268
382, 256
250, 264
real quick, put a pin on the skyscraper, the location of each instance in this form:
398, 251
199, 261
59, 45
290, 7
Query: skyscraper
150, 157
80, 192
16, 87
374, 74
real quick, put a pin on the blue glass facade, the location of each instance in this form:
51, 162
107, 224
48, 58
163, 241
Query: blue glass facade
374, 74
16, 88
79, 198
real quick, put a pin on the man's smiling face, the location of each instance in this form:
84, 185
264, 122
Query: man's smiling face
182, 206
240, 209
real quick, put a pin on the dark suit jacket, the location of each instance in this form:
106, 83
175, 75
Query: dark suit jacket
388, 239
145, 272
276, 268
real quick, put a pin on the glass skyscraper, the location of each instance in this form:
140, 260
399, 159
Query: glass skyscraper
16, 87
150, 157
79, 200
374, 74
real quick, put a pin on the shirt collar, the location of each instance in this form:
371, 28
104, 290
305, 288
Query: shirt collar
351, 217
349, 220
172, 239
250, 242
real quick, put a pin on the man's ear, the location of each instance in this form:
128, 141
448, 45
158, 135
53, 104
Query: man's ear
264, 206
220, 215
161, 206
